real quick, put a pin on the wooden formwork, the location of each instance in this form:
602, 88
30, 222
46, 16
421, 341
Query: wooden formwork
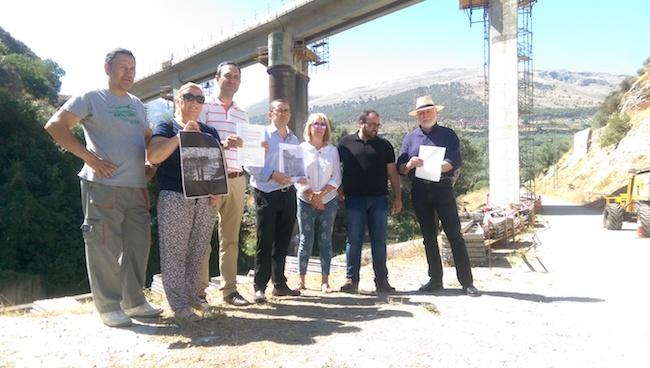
480, 238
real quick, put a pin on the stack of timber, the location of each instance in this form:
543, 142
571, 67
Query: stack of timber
475, 242
502, 224
498, 226
481, 233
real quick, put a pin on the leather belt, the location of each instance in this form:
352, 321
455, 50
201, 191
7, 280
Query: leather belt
235, 174
443, 180
290, 188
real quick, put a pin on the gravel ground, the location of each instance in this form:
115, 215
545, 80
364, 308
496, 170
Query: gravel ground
578, 299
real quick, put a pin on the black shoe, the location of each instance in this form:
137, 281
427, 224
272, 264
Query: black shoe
283, 290
471, 291
350, 287
384, 287
235, 299
431, 286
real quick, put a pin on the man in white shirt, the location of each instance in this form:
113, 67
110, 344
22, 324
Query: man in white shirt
223, 114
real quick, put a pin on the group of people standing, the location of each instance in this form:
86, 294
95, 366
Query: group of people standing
122, 152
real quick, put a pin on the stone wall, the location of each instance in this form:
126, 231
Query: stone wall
21, 289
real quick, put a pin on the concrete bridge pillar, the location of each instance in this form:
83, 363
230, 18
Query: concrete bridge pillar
176, 85
287, 78
301, 109
504, 108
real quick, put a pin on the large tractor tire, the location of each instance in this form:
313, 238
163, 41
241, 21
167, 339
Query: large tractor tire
644, 218
613, 216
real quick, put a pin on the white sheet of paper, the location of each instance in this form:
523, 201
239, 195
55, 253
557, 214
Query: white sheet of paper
251, 153
432, 157
291, 161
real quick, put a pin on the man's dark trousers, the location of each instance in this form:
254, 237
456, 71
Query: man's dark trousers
429, 198
276, 216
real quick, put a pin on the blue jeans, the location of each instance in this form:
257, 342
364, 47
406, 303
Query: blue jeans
373, 212
308, 217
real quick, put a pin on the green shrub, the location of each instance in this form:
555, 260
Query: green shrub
616, 128
611, 103
599, 120
627, 83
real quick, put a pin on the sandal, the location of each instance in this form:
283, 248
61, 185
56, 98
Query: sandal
325, 288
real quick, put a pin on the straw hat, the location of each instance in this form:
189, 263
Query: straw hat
425, 103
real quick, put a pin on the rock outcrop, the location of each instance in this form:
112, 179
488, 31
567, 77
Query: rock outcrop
604, 170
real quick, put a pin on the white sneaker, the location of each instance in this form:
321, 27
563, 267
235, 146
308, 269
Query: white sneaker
115, 319
143, 310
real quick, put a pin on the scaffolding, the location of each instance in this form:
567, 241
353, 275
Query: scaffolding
315, 54
526, 94
321, 49
474, 5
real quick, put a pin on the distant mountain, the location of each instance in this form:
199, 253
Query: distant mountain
559, 94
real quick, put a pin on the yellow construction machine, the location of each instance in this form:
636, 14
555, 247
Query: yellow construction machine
632, 205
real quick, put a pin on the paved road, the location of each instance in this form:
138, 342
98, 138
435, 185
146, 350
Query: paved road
607, 267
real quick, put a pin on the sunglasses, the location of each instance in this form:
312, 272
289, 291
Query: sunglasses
319, 125
188, 97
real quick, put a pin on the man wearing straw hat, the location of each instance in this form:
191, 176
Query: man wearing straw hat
433, 197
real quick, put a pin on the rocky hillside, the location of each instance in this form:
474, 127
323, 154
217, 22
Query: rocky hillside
585, 176
558, 94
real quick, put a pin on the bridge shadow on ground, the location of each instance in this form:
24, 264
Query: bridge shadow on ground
279, 321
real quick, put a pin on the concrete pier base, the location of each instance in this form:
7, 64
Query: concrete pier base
285, 81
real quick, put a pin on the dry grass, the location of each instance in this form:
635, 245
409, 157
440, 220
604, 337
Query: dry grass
431, 308
474, 200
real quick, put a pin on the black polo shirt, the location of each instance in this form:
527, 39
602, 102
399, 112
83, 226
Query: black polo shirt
364, 165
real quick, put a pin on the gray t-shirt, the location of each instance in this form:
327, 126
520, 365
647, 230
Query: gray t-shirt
114, 129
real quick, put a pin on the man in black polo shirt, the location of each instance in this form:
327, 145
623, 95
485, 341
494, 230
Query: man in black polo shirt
430, 198
368, 164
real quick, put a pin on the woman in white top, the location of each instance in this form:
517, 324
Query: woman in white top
317, 202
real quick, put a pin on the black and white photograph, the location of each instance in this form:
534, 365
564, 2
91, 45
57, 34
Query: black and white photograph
291, 160
202, 165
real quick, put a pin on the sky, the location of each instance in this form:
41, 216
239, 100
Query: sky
576, 35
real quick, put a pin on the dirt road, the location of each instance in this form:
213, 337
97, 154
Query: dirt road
580, 299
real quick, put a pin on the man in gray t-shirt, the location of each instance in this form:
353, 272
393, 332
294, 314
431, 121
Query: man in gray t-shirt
116, 227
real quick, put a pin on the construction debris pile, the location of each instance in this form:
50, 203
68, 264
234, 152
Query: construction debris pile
484, 229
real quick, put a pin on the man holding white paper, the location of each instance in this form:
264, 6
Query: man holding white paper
275, 205
434, 152
251, 153
223, 114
